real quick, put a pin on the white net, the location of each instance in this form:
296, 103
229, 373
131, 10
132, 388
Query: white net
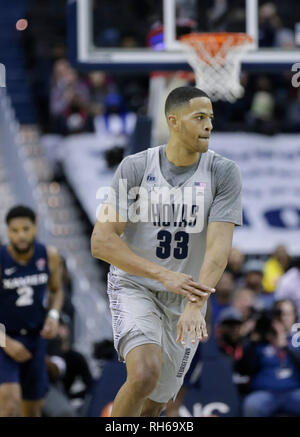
217, 66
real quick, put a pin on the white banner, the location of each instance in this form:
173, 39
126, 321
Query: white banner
270, 169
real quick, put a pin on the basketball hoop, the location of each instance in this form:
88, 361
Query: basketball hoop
216, 60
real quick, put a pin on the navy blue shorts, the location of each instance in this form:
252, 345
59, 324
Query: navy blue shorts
32, 375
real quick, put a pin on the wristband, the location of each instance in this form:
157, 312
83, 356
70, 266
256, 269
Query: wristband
54, 314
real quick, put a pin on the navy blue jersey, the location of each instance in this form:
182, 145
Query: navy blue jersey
23, 291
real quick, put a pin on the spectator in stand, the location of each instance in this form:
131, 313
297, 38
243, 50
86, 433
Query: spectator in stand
261, 115
272, 361
59, 75
244, 301
253, 279
78, 118
284, 37
235, 264
69, 98
65, 367
253, 274
273, 33
267, 31
223, 297
228, 332
293, 114
75, 119
289, 286
288, 314
65, 84
274, 268
116, 124
99, 86
230, 342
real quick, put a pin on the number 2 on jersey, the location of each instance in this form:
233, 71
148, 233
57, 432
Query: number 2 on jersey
163, 251
25, 296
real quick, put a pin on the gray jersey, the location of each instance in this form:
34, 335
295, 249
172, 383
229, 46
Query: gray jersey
169, 227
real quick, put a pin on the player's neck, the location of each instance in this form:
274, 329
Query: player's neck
21, 258
179, 156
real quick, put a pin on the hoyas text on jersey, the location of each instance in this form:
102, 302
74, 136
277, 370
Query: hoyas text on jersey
179, 215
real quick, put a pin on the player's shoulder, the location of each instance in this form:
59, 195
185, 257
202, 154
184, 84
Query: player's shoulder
135, 159
52, 253
54, 258
221, 164
140, 157
134, 166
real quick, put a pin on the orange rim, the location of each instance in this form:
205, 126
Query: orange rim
214, 41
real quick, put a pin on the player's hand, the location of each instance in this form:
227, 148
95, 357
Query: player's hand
191, 321
180, 283
201, 300
50, 328
17, 351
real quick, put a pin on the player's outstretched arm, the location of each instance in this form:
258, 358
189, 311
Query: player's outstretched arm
107, 245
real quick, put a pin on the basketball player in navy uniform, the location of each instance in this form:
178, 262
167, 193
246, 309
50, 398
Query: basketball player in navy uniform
29, 314
168, 243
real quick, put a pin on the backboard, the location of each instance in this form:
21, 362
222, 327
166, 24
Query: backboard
134, 35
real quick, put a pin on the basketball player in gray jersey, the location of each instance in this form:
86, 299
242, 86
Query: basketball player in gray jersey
168, 242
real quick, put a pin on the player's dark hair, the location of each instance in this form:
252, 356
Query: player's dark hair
181, 96
20, 211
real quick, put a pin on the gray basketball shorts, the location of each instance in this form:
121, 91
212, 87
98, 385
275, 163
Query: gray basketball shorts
141, 316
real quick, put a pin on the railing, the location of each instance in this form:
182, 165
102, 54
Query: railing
11, 154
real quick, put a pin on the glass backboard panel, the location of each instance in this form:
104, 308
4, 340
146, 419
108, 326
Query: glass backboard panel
135, 35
